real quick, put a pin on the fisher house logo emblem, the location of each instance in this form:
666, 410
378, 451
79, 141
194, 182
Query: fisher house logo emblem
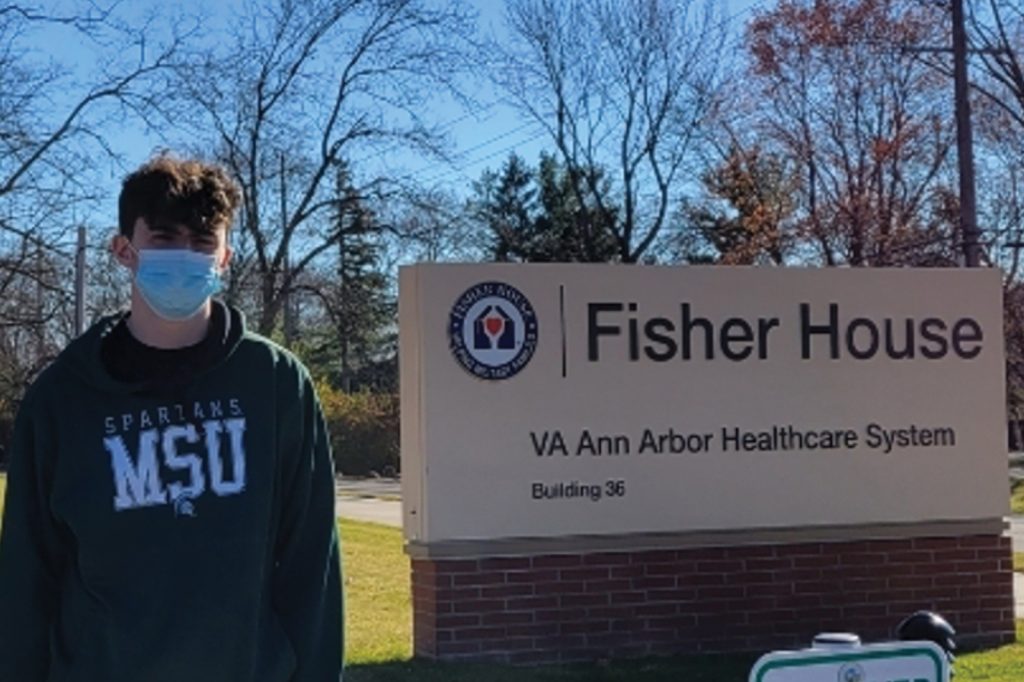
492, 330
851, 672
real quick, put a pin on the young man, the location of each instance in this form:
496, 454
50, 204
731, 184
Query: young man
170, 499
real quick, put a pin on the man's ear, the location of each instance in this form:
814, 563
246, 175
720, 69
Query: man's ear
226, 258
121, 249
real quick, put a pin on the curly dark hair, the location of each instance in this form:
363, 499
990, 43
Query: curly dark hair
167, 191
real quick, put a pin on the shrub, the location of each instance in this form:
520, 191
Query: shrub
364, 430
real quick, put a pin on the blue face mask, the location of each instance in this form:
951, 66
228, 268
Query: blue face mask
176, 283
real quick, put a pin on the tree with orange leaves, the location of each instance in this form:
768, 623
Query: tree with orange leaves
747, 216
868, 124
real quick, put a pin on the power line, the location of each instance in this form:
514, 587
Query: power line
460, 171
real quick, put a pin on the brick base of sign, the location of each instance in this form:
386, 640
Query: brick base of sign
588, 606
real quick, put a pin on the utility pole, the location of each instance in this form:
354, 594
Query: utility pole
289, 313
969, 233
80, 282
964, 143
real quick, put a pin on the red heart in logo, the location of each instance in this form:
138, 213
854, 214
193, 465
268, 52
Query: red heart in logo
494, 325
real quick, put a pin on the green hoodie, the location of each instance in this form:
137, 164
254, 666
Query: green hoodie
171, 533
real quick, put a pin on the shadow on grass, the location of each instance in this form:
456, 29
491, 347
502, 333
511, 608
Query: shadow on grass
691, 669
1002, 664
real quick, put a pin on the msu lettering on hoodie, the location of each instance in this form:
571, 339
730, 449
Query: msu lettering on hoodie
159, 534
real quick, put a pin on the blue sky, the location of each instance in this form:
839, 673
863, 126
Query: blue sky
481, 138
485, 138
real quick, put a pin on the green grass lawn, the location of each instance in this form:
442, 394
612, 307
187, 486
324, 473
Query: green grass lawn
378, 604
1017, 497
997, 665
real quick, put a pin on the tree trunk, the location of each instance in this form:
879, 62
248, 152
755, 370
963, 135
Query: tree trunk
271, 307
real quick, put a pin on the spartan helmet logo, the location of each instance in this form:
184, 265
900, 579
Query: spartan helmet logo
184, 505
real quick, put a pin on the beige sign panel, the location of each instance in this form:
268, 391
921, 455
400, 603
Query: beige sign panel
564, 400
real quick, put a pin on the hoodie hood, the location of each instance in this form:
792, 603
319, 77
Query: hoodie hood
83, 357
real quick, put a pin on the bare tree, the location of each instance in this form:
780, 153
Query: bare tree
51, 124
55, 121
430, 225
997, 29
300, 88
996, 32
621, 88
869, 125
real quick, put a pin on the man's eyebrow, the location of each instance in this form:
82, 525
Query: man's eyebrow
180, 229
164, 227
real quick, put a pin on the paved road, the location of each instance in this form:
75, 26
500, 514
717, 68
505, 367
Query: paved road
1017, 466
372, 499
1017, 535
371, 487
1018, 594
369, 509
